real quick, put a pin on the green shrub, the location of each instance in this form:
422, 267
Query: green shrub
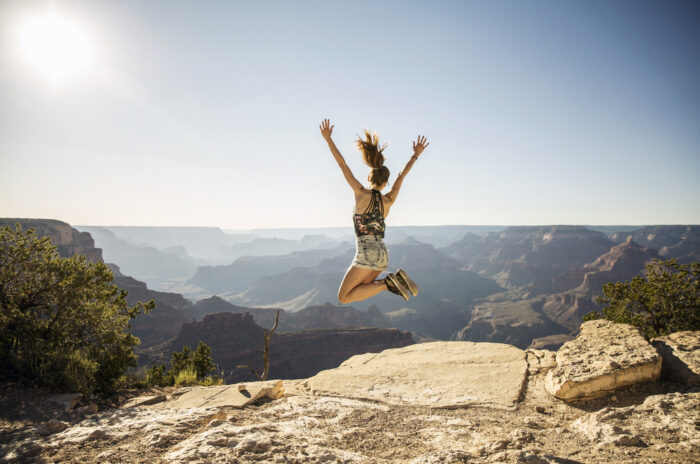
157, 375
183, 364
186, 377
62, 320
665, 300
208, 381
200, 360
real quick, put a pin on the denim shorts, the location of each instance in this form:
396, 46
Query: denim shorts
371, 253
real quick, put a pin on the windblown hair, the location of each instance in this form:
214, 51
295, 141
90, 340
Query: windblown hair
373, 156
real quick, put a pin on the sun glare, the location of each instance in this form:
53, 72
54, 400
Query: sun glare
56, 47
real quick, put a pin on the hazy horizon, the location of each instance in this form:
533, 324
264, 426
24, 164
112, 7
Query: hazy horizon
181, 114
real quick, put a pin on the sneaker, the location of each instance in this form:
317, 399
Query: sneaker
408, 283
394, 286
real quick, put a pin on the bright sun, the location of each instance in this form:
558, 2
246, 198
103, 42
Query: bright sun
56, 47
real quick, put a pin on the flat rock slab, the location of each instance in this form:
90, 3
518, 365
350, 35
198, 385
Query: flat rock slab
237, 395
438, 375
681, 356
603, 357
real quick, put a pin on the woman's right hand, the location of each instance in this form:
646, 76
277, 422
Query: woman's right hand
325, 129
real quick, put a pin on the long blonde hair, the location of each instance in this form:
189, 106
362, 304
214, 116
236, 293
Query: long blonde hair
373, 156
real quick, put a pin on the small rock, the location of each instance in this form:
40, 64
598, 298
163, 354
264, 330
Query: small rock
215, 423
628, 440
98, 434
521, 436
220, 441
89, 409
533, 424
540, 409
492, 447
221, 416
52, 426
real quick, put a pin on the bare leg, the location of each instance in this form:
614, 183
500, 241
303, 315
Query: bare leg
359, 284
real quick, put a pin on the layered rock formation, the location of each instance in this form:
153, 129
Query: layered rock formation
514, 322
680, 242
68, 240
621, 263
604, 357
520, 255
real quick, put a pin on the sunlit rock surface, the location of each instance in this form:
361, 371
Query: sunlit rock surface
437, 374
290, 422
603, 357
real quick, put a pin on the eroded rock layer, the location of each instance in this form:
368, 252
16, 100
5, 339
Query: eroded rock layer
603, 357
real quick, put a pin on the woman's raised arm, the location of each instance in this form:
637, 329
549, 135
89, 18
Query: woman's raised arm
418, 146
326, 130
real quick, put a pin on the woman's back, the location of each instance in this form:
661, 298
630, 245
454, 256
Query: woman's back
363, 199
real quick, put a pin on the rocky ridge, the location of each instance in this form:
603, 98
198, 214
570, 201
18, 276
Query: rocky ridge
68, 240
440, 413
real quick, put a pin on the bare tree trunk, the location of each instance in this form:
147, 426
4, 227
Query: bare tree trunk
266, 352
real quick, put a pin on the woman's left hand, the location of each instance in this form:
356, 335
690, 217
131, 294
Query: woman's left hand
419, 145
326, 129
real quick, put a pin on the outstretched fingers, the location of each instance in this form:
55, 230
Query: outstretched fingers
326, 131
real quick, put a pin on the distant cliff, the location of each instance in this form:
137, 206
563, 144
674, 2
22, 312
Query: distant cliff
325, 316
68, 240
521, 255
236, 339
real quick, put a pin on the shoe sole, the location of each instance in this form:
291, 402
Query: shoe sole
412, 287
398, 285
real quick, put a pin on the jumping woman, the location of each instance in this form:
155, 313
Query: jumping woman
371, 207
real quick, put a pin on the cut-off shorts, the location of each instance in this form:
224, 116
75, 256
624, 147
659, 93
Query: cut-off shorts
371, 253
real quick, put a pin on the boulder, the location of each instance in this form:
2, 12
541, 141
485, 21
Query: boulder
438, 375
681, 356
603, 357
237, 395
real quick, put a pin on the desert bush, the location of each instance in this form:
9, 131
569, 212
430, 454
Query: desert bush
665, 299
182, 364
186, 377
200, 360
62, 320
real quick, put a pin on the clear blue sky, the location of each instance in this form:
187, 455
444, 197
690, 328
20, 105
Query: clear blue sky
207, 113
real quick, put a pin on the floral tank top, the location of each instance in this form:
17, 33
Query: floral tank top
371, 222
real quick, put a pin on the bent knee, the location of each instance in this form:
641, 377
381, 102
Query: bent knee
343, 298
